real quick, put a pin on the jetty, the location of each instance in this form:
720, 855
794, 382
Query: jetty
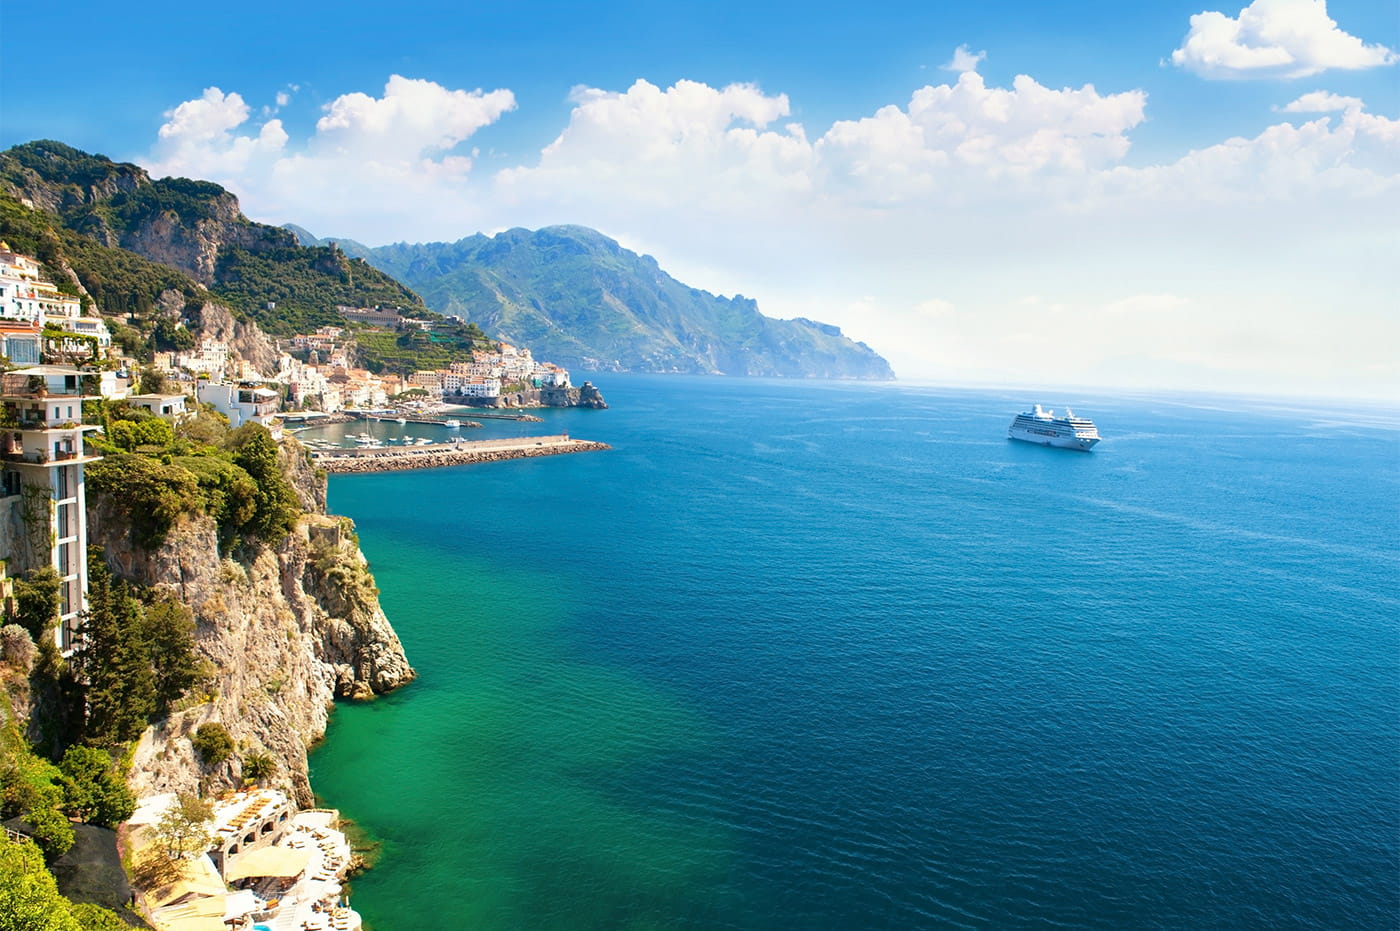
461, 452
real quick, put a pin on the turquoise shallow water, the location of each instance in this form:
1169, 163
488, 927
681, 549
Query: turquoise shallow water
836, 656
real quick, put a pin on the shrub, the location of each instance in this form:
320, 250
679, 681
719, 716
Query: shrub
16, 646
213, 743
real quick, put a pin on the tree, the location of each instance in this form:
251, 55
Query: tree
153, 381
184, 828
37, 601
92, 790
213, 742
113, 661
278, 506
29, 899
167, 630
259, 766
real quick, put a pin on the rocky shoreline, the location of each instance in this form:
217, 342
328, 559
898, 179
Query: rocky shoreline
393, 460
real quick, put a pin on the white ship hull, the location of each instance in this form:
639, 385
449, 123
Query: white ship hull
1062, 441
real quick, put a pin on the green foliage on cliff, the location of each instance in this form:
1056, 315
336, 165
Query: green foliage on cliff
37, 601
576, 297
213, 743
415, 349
30, 900
93, 203
29, 789
94, 791
306, 284
152, 477
119, 281
135, 658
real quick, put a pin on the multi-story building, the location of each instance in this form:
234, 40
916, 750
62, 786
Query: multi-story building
43, 497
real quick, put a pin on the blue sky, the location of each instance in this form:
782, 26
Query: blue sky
1152, 195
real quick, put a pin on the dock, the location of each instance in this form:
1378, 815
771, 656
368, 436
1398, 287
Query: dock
462, 452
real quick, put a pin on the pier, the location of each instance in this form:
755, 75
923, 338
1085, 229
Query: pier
462, 452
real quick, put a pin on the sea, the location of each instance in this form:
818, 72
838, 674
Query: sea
811, 655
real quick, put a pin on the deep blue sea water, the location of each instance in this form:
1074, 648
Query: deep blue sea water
797, 655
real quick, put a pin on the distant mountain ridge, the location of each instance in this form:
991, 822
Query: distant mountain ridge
577, 297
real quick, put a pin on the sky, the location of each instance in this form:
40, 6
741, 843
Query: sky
1172, 195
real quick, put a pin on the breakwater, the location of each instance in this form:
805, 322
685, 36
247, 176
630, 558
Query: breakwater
389, 459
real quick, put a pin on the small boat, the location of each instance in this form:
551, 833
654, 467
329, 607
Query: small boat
452, 424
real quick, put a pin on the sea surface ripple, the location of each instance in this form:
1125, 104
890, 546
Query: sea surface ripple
804, 655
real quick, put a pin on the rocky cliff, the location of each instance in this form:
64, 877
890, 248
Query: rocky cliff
286, 630
586, 395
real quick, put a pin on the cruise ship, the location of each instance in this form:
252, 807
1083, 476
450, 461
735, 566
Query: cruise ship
1043, 427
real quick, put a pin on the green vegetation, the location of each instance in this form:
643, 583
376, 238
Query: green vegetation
30, 901
184, 828
306, 284
30, 789
577, 298
154, 476
259, 766
93, 789
213, 743
37, 601
416, 349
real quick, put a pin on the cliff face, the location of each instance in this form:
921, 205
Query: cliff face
243, 337
192, 244
285, 630
586, 395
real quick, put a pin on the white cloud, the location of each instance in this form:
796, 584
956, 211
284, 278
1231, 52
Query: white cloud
412, 118
964, 60
369, 159
1274, 39
978, 194
210, 116
1322, 102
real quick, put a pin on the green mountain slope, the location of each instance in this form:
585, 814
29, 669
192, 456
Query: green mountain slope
195, 227
577, 297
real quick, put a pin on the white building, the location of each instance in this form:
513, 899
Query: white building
42, 482
243, 403
171, 407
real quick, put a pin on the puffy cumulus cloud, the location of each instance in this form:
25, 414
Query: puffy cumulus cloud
394, 153
1352, 158
1321, 102
413, 117
669, 148
949, 134
198, 139
1274, 39
917, 227
964, 60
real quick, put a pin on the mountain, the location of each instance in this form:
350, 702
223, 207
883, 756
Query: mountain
578, 298
195, 227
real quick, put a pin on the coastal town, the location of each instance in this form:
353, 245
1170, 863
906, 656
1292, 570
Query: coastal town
251, 857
